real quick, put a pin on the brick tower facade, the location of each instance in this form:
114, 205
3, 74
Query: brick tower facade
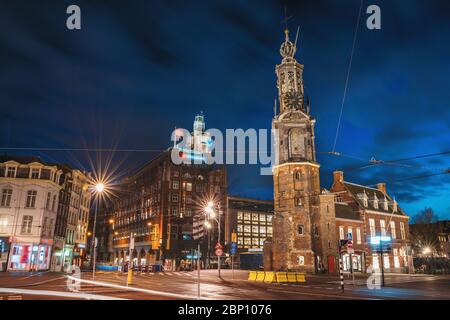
296, 176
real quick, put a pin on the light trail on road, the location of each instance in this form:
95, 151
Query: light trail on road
155, 292
86, 296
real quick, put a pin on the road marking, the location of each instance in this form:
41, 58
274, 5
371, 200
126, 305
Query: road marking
59, 294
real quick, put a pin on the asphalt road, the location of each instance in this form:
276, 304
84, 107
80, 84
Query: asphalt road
184, 285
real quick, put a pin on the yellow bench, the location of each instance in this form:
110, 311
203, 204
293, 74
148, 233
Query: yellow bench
252, 276
260, 275
281, 277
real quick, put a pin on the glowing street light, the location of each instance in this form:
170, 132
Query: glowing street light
99, 187
111, 221
426, 250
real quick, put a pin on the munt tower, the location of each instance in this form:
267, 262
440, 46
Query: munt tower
297, 223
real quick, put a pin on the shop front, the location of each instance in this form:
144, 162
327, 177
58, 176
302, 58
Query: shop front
29, 257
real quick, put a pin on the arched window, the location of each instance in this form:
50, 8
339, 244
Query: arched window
300, 230
297, 175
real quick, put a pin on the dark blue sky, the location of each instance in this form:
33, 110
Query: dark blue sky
136, 69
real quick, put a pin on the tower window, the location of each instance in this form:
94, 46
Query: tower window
300, 230
298, 176
298, 202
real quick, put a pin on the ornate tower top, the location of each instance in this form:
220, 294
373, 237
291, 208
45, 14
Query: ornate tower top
290, 78
287, 49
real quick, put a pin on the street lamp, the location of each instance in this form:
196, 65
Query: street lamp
211, 214
99, 188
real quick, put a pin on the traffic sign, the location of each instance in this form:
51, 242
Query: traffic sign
218, 246
350, 244
233, 248
219, 252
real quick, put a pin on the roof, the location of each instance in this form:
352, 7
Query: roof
344, 211
250, 204
21, 159
356, 189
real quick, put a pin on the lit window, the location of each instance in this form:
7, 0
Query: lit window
239, 215
262, 217
6, 197
11, 172
402, 230
31, 199
301, 260
393, 231
255, 217
358, 235
372, 227
269, 218
3, 224
341, 233
188, 186
35, 173
175, 184
247, 216
383, 227
27, 222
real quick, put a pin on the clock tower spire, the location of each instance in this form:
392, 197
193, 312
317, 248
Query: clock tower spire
296, 176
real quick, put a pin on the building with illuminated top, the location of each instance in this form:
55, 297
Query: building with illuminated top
158, 203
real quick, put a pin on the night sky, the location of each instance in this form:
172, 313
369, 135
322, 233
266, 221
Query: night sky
137, 69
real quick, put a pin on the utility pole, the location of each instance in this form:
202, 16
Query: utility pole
198, 271
218, 264
341, 271
382, 263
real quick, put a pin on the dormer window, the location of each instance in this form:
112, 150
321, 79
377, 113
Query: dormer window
385, 204
11, 172
34, 174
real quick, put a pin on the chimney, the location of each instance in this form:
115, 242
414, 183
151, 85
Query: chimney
381, 187
338, 176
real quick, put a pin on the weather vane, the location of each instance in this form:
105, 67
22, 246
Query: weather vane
286, 18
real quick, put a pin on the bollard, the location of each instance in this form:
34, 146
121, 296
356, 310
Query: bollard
130, 276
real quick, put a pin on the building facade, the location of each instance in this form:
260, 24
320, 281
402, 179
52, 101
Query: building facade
251, 221
28, 210
73, 216
309, 222
157, 206
368, 212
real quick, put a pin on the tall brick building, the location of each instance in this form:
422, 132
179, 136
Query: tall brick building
308, 221
156, 206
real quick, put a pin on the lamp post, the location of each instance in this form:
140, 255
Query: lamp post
99, 188
211, 214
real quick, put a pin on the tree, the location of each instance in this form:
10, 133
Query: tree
425, 216
425, 230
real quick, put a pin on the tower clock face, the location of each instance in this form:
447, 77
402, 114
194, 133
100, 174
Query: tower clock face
293, 100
